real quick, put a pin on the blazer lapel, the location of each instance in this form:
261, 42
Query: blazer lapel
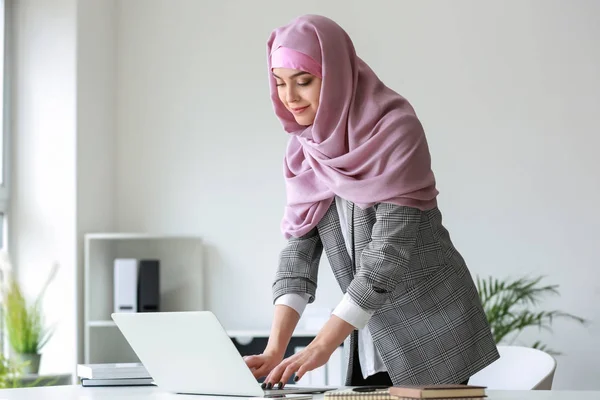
330, 232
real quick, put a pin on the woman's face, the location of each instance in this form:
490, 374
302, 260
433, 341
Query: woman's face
299, 92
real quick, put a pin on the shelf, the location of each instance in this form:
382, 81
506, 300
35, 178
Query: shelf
265, 333
230, 332
133, 235
30, 380
101, 324
181, 280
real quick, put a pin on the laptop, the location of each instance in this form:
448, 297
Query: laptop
189, 352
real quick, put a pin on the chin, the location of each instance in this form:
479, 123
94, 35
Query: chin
305, 121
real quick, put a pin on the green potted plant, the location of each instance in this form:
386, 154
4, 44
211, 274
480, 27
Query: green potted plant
24, 321
9, 370
508, 306
11, 373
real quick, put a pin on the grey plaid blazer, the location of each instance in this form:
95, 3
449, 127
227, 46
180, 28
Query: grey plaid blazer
429, 325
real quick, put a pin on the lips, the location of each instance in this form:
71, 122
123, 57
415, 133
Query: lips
298, 110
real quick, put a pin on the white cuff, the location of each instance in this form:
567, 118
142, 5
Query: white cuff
296, 301
353, 314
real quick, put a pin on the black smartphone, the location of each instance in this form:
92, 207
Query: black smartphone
364, 389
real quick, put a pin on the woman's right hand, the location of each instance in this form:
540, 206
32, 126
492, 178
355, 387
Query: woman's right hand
262, 364
284, 323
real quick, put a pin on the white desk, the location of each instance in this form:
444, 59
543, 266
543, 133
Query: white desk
77, 392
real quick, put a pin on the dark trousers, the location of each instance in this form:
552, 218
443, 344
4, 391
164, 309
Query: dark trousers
378, 379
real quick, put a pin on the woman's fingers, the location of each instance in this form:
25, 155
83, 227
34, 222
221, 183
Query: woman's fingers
253, 361
259, 365
304, 368
289, 371
260, 372
275, 376
299, 364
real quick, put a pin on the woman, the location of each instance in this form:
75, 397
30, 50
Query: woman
359, 185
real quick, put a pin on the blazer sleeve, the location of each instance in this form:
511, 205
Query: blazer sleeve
386, 258
299, 266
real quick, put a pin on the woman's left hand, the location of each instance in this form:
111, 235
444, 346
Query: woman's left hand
308, 359
315, 355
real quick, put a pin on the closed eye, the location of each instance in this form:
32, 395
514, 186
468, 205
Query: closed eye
304, 83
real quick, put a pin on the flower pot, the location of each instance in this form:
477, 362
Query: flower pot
30, 362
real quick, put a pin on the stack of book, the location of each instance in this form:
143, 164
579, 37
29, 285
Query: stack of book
439, 392
114, 374
431, 392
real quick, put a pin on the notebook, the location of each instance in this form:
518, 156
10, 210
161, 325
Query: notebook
361, 393
438, 392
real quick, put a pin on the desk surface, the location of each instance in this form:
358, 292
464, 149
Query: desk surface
76, 392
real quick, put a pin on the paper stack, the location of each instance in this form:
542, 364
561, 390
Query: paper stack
113, 374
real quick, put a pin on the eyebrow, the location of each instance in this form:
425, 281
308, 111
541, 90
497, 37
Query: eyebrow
294, 75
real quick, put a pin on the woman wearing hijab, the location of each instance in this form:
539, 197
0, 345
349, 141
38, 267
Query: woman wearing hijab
360, 186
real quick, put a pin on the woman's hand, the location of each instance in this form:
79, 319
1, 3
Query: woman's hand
315, 355
308, 359
285, 320
262, 364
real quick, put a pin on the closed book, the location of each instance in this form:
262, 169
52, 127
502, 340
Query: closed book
118, 382
438, 391
112, 371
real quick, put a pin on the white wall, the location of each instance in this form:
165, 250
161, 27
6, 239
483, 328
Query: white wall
63, 153
42, 217
508, 92
96, 40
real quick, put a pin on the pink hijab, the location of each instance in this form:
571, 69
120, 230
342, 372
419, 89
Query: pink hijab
366, 144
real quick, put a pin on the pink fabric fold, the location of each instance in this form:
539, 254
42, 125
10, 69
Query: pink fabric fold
366, 144
289, 58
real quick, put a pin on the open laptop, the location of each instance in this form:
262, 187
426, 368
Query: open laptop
190, 352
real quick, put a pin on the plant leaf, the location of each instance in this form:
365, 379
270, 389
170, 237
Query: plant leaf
508, 306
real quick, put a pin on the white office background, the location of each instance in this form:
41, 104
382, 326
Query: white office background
158, 116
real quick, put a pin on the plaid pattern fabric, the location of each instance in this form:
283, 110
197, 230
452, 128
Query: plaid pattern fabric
353, 348
429, 325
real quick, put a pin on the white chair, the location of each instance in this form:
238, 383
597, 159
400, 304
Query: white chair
519, 368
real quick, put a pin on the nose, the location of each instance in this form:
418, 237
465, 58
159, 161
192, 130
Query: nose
291, 95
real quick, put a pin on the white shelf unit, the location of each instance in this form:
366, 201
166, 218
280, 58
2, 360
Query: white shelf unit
181, 285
